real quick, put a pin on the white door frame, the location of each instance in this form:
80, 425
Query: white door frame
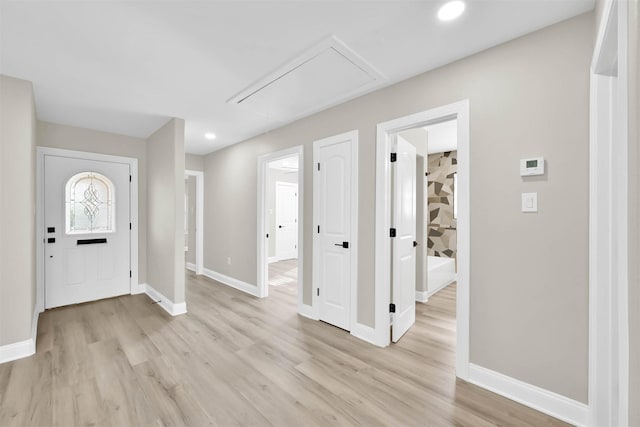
459, 111
608, 222
263, 267
134, 286
353, 244
199, 175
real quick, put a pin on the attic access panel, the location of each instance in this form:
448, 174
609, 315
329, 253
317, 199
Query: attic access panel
324, 75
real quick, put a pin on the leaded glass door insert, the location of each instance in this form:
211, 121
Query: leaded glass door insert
89, 204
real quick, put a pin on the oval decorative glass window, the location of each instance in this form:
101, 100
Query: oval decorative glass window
89, 204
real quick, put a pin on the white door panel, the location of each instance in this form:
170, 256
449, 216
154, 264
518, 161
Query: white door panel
403, 249
286, 220
334, 237
86, 230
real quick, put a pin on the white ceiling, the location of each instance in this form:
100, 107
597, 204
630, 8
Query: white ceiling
127, 67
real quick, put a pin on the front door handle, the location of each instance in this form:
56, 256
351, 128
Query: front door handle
343, 244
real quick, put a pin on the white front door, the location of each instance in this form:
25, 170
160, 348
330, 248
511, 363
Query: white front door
403, 246
87, 230
333, 195
286, 220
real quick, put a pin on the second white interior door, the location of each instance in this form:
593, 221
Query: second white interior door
286, 220
333, 262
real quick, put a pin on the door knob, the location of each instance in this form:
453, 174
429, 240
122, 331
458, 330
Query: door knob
279, 226
343, 244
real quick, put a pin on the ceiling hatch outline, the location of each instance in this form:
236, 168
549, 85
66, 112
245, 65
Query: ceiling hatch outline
275, 91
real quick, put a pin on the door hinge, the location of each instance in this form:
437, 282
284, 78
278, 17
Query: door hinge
129, 178
318, 291
130, 273
318, 229
427, 173
267, 235
392, 308
129, 226
318, 166
394, 157
392, 232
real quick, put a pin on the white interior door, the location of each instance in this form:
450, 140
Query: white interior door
87, 230
286, 220
403, 245
334, 234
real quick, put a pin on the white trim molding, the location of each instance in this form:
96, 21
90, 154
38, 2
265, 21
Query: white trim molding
608, 222
232, 282
385, 131
199, 175
190, 266
22, 349
422, 296
41, 152
169, 306
545, 401
262, 288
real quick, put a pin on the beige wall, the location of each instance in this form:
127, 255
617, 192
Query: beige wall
93, 141
527, 97
193, 162
17, 210
634, 212
165, 200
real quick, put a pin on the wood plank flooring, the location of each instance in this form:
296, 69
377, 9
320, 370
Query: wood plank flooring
235, 360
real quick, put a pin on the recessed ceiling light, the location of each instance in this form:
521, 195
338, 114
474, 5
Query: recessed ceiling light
451, 10
210, 135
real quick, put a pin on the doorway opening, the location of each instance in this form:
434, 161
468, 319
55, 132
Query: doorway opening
408, 231
194, 220
280, 219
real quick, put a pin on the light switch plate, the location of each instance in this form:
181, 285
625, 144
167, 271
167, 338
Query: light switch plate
529, 202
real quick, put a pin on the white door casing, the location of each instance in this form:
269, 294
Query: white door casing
286, 220
75, 272
403, 244
335, 235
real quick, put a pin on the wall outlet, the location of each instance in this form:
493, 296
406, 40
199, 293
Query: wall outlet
229, 260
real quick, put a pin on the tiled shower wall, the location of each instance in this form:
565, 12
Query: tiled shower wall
442, 225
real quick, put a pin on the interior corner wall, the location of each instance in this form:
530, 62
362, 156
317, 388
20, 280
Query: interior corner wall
165, 215
527, 97
92, 141
634, 212
193, 162
17, 210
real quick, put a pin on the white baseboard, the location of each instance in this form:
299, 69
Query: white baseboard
441, 287
169, 306
272, 259
191, 266
550, 403
422, 296
22, 349
232, 282
140, 289
307, 311
365, 333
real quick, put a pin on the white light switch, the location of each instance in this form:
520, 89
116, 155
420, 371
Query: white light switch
529, 202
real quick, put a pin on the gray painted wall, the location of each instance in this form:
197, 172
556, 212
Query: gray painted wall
165, 200
193, 162
17, 210
529, 289
93, 141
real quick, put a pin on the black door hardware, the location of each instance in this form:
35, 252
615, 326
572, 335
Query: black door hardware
51, 229
279, 226
415, 243
91, 241
51, 240
343, 244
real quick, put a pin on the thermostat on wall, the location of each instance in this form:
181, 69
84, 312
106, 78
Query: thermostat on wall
532, 166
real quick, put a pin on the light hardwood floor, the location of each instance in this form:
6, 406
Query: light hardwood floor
237, 360
284, 273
